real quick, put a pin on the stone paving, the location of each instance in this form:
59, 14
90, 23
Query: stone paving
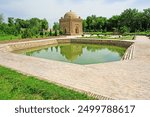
128, 79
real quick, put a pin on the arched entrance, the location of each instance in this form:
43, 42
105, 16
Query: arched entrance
77, 30
65, 31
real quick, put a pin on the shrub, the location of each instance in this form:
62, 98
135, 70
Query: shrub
50, 33
26, 34
124, 29
56, 33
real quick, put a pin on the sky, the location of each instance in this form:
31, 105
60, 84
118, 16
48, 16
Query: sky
52, 10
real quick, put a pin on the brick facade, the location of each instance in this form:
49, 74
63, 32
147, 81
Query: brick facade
71, 24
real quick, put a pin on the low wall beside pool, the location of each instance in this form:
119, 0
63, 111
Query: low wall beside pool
32, 44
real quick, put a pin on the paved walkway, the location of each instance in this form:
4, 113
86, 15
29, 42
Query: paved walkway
128, 79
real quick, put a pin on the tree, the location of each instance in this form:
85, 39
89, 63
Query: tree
124, 29
26, 28
113, 22
128, 18
11, 21
1, 18
94, 23
56, 33
1, 24
100, 23
84, 25
20, 24
91, 23
56, 26
138, 22
50, 33
37, 26
44, 25
61, 32
26, 34
146, 18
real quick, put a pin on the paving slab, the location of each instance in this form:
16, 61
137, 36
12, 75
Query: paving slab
128, 79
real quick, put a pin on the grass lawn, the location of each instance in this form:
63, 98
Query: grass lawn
9, 37
16, 86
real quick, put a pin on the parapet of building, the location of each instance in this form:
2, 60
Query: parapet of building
71, 24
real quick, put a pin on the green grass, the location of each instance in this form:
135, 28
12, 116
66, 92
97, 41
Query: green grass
15, 86
100, 33
139, 33
126, 33
9, 37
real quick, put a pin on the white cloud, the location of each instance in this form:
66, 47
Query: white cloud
52, 10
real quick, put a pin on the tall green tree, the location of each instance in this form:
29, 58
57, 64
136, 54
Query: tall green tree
50, 32
84, 25
11, 21
101, 23
128, 18
56, 26
146, 18
1, 18
44, 25
91, 23
113, 22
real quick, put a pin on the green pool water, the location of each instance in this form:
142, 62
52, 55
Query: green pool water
78, 53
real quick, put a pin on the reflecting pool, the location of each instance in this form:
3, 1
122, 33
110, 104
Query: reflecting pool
78, 53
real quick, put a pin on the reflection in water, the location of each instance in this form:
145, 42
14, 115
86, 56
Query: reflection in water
71, 52
79, 53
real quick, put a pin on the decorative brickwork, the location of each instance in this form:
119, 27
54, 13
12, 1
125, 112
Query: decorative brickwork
71, 24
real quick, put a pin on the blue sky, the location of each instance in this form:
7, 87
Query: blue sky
52, 10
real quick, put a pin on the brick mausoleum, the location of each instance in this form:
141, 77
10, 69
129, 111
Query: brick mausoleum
71, 24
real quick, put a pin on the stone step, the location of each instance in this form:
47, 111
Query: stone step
129, 53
